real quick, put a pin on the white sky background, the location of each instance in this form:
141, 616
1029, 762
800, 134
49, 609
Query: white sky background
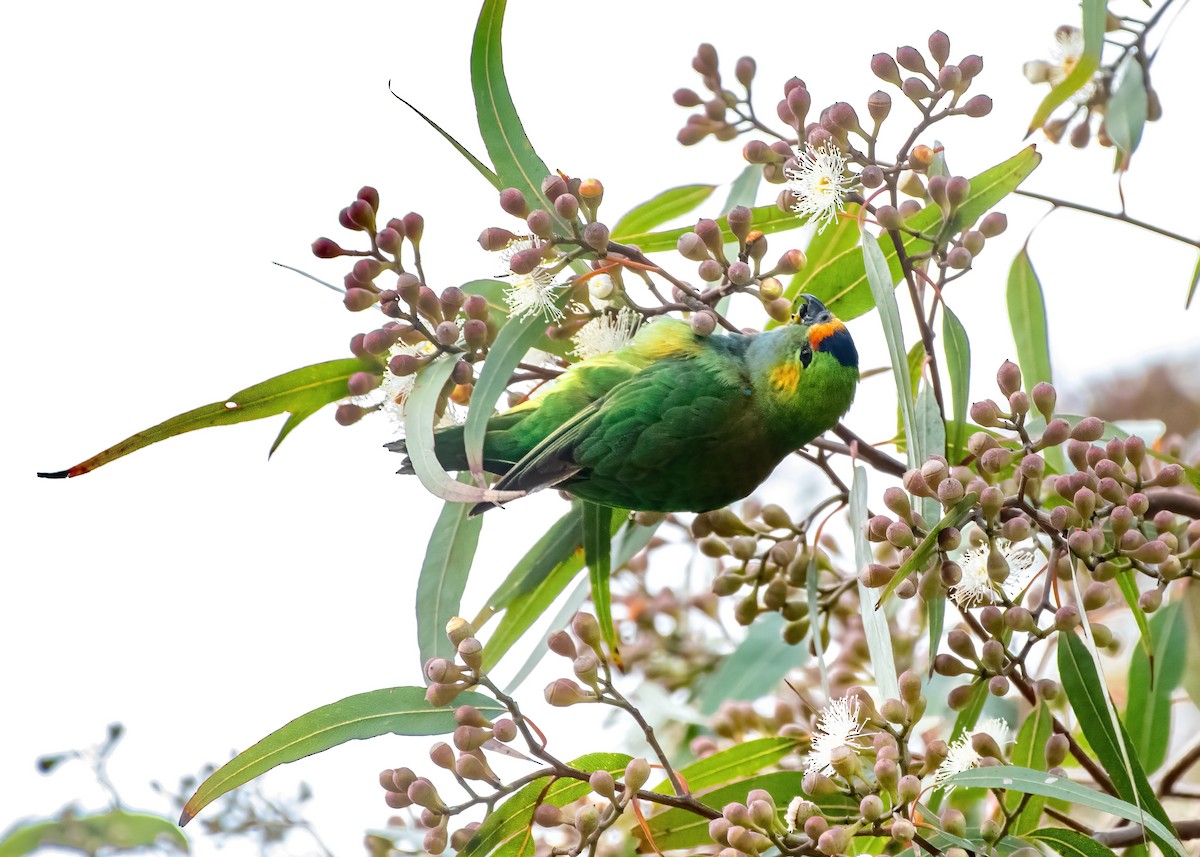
159, 158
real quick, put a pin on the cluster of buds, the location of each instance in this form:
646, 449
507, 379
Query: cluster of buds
422, 323
584, 647
448, 678
705, 245
584, 823
926, 87
1091, 100
724, 114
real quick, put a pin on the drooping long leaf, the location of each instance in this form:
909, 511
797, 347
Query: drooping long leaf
1148, 711
1187, 303
958, 367
1129, 590
96, 833
394, 710
300, 392
875, 622
1030, 752
1061, 788
1114, 750
732, 763
1094, 13
419, 411
840, 237
881, 284
512, 344
955, 517
1027, 316
507, 830
560, 621
556, 546
1127, 108
1070, 843
516, 163
654, 212
443, 577
528, 603
841, 283
597, 553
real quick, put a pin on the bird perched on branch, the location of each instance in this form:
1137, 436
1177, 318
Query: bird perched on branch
674, 421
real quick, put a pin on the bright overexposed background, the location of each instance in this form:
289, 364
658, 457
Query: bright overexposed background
159, 157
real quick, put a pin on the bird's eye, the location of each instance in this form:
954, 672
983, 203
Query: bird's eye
805, 355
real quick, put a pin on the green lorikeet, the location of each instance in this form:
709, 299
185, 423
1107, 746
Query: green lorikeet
674, 421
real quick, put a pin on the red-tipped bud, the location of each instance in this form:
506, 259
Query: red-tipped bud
348, 415
798, 103
970, 66
370, 196
494, 238
978, 106
710, 234
357, 300
703, 323
567, 206
513, 202
553, 187
414, 227
686, 98
884, 67
910, 58
525, 261
939, 47
744, 70
325, 248
739, 220
539, 223
596, 236
362, 215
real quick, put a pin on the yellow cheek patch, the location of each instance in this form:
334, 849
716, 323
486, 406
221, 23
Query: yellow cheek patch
820, 332
785, 377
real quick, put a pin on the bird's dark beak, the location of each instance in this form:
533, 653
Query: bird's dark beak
809, 310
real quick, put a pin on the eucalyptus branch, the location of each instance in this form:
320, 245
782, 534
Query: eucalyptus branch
1119, 216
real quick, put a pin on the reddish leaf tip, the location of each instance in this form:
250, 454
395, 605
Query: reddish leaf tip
184, 818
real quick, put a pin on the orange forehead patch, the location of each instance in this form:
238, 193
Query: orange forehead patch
820, 332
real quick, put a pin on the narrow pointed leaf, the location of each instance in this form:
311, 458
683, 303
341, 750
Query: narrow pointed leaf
512, 344
443, 577
1030, 752
1127, 583
1148, 711
419, 414
958, 367
1027, 317
113, 831
653, 213
395, 710
1061, 788
955, 517
875, 622
301, 391
768, 219
560, 621
507, 830
1094, 13
1070, 843
1127, 107
597, 552
841, 282
1187, 304
479, 165
513, 157
556, 546
1080, 680
732, 763
884, 296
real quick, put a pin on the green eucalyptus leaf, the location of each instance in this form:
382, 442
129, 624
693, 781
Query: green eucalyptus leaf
732, 763
875, 622
1061, 788
443, 577
508, 830
479, 165
1030, 752
597, 553
757, 665
1070, 843
300, 392
958, 367
1125, 116
1110, 742
1148, 711
1094, 15
841, 282
394, 710
654, 212
1127, 583
955, 517
94, 833
743, 189
840, 237
884, 296
767, 219
1027, 316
